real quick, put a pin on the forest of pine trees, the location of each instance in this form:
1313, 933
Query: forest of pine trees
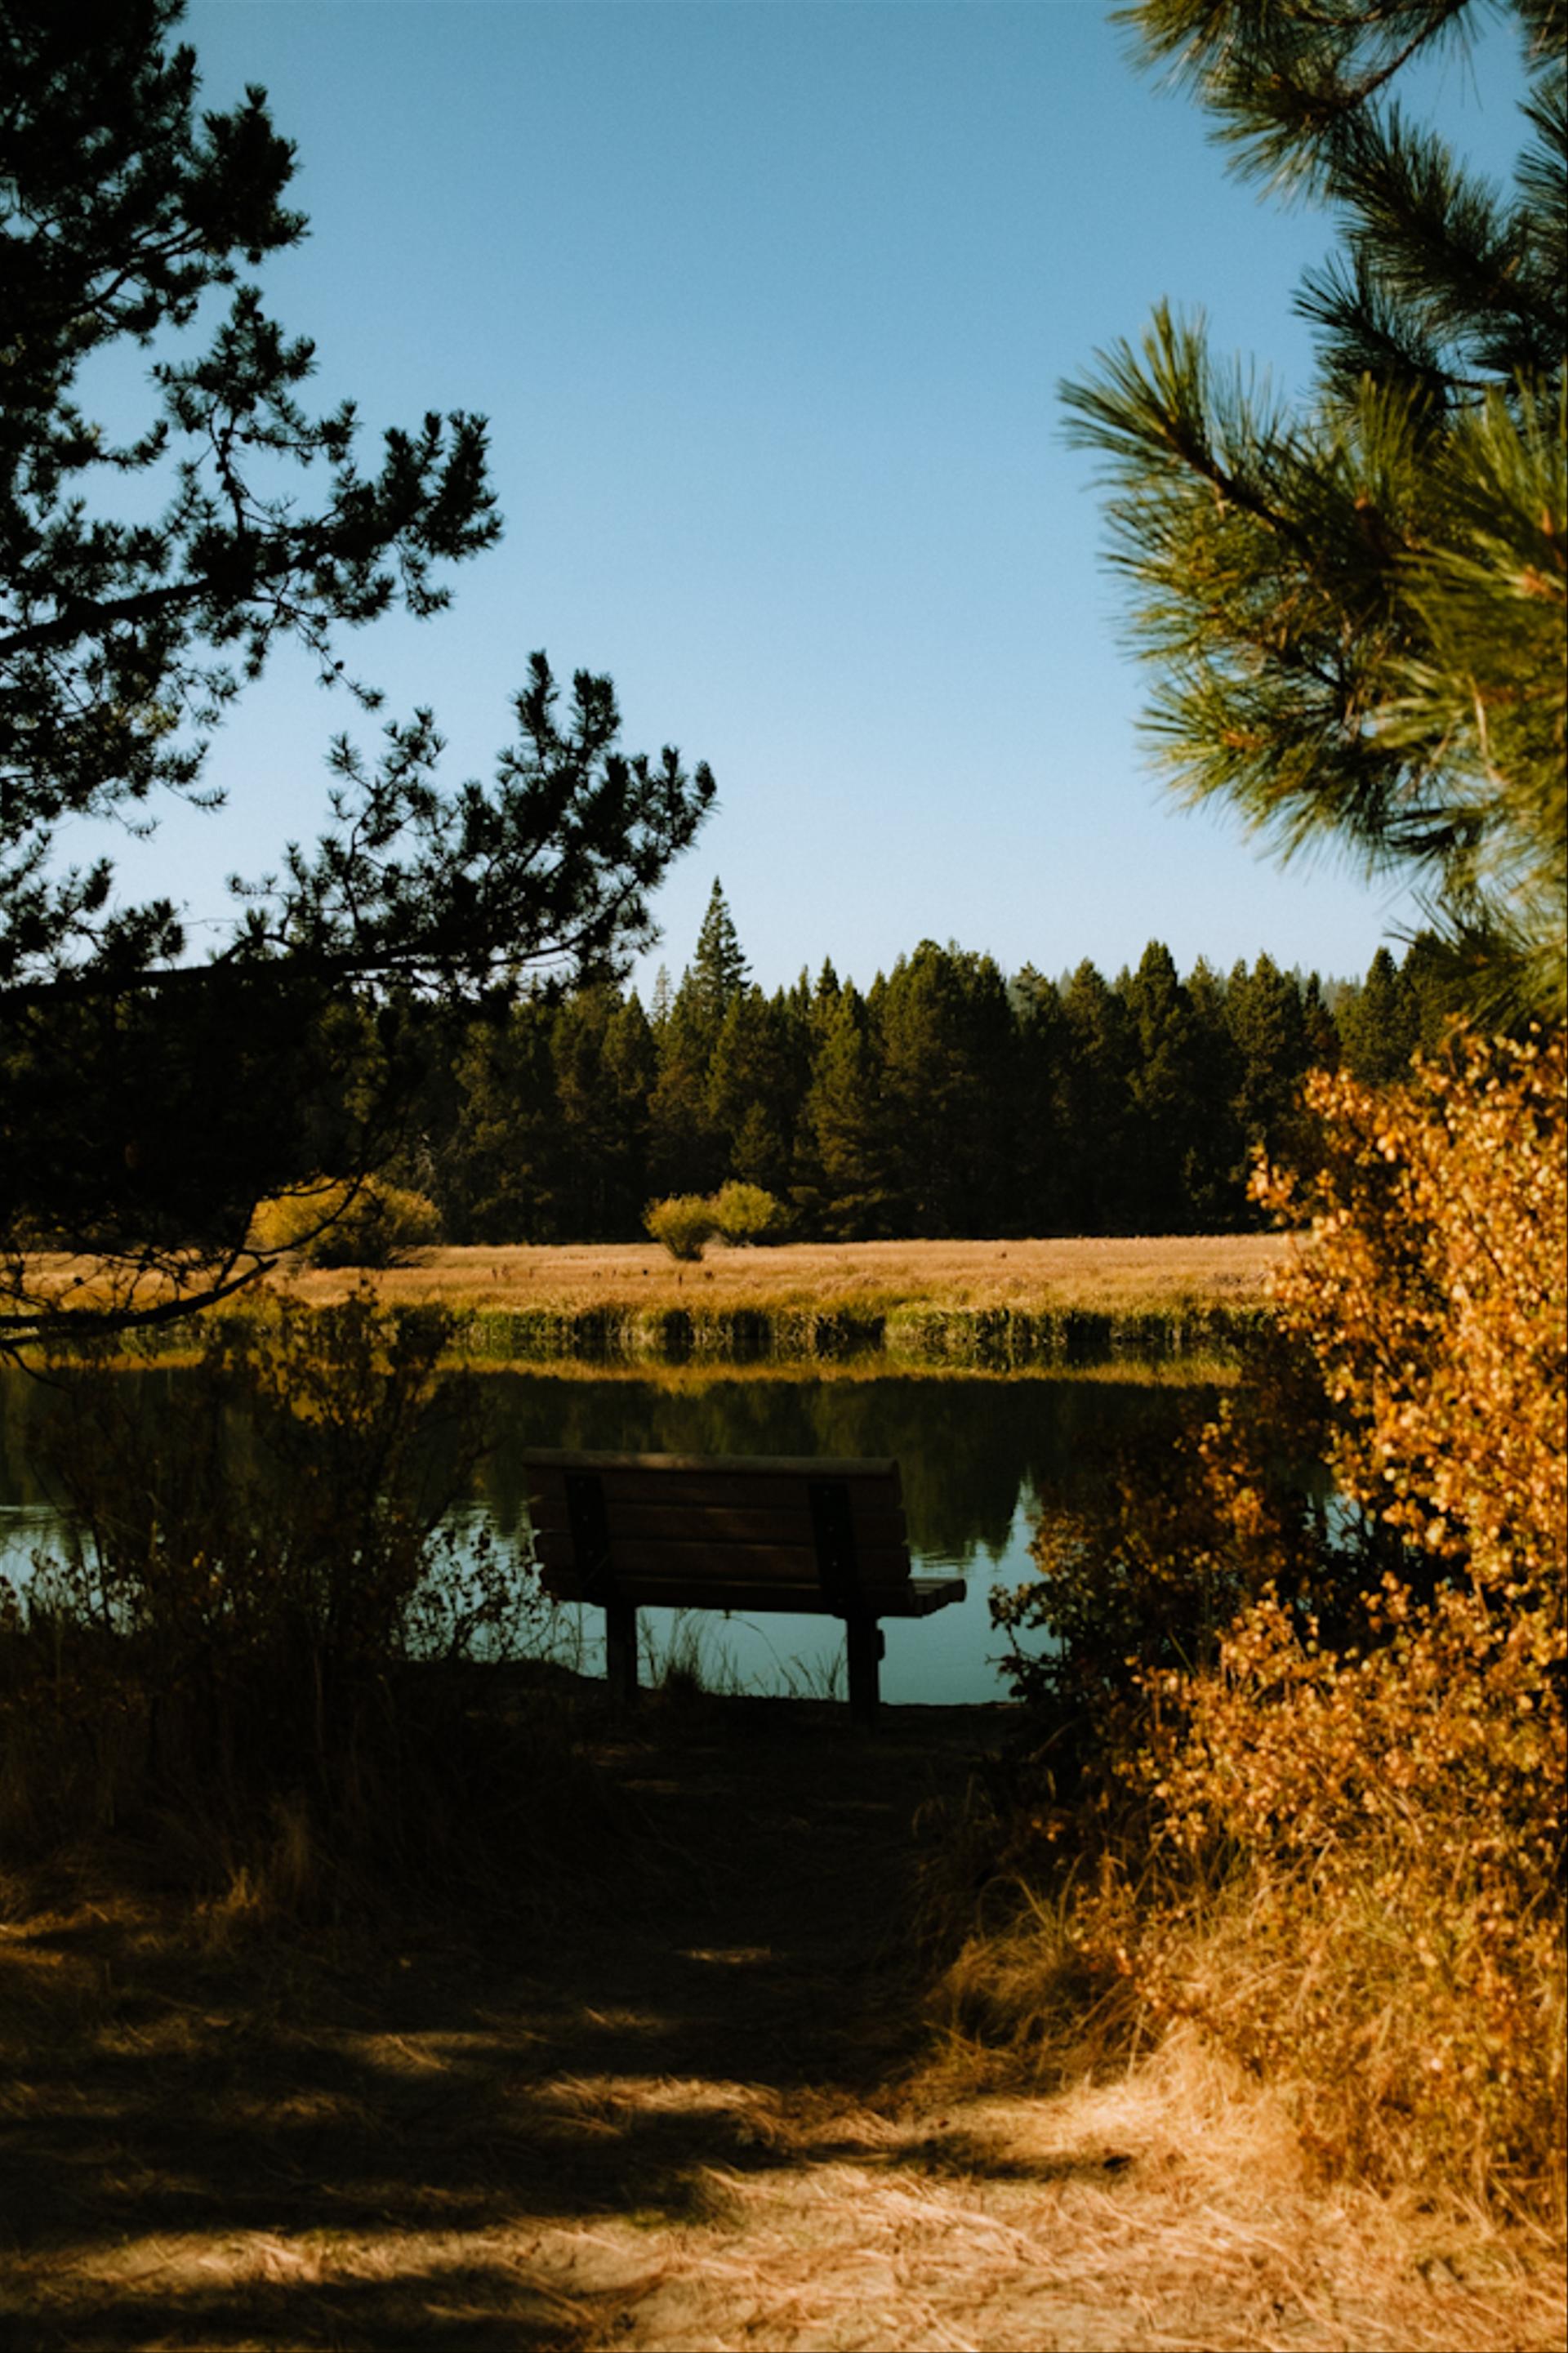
947, 1100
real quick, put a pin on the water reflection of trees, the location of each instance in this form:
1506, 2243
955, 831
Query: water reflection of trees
969, 1449
30, 1403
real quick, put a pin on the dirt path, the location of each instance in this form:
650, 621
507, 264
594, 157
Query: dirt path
698, 2111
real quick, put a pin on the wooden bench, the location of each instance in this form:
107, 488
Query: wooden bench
729, 1532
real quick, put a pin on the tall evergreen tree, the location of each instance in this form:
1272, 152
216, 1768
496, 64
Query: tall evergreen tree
822, 1001
1267, 1022
686, 1154
1094, 1103
661, 1000
1381, 1025
1216, 1198
841, 1184
630, 1071
719, 969
602, 1118
1036, 1141
752, 1092
1165, 1092
1323, 1049
1357, 607
948, 1080
687, 1144
499, 1176
1441, 986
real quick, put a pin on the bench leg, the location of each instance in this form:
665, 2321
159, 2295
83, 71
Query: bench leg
864, 1645
621, 1650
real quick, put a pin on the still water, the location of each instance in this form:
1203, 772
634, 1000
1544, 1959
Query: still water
982, 1460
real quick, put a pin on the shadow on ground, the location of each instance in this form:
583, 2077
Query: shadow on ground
398, 2140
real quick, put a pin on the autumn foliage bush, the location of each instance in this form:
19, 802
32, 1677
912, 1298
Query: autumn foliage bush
1301, 1776
371, 1224
748, 1213
686, 1222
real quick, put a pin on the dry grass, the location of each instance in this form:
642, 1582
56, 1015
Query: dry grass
1161, 2213
1166, 2210
997, 1305
1113, 1275
688, 2112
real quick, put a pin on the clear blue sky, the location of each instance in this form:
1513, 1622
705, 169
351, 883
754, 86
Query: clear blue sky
768, 304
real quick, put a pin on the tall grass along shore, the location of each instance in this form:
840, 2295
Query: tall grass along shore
1185, 1302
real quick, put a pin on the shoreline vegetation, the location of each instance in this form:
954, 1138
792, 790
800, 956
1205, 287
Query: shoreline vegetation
1181, 1304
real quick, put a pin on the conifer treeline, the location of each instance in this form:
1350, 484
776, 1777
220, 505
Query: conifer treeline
945, 1101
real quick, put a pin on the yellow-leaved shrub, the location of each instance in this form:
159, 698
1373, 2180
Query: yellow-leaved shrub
334, 1223
1325, 1814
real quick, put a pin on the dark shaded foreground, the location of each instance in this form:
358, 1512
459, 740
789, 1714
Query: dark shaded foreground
247, 2136
673, 2093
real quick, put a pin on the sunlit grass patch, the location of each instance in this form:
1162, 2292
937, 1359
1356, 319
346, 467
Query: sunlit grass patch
1186, 1301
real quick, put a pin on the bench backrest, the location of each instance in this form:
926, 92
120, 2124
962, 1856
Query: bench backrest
724, 1532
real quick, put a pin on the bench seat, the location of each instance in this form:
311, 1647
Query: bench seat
804, 1533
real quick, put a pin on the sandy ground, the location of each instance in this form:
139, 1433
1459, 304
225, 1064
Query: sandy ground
690, 2102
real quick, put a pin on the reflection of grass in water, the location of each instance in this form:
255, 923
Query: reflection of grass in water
1201, 1366
913, 1333
1195, 1371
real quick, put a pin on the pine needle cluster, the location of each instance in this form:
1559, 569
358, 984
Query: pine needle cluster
1356, 604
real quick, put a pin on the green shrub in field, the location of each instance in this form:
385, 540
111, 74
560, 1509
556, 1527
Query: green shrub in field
740, 1213
372, 1224
745, 1213
684, 1223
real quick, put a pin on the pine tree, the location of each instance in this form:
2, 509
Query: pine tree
1268, 1023
822, 1001
1165, 1091
719, 969
1381, 1025
948, 1080
841, 1156
1323, 1047
752, 1092
1442, 987
1216, 1196
1033, 1144
499, 1173
662, 1000
1094, 1103
1357, 607
603, 1171
685, 1152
